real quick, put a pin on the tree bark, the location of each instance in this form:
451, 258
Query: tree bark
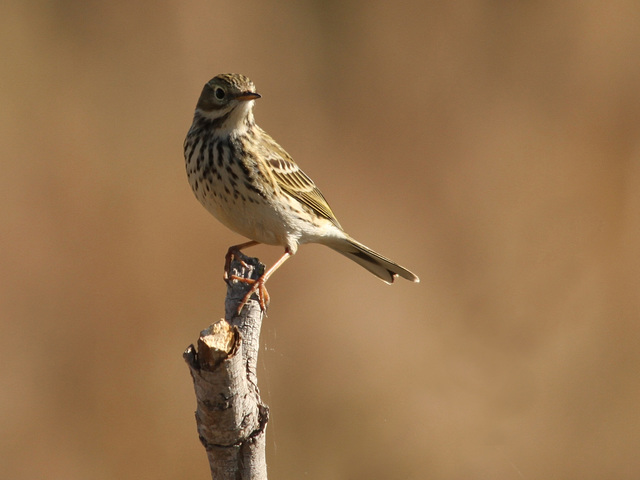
230, 415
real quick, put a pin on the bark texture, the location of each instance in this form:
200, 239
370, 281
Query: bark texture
230, 415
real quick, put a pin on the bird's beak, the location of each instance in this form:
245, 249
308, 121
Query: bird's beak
246, 96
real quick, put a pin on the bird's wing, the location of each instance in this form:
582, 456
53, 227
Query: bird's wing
297, 184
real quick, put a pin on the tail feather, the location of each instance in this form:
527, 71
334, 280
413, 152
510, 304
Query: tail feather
380, 266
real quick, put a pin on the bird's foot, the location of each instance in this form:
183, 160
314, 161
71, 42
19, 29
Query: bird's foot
228, 258
234, 253
258, 287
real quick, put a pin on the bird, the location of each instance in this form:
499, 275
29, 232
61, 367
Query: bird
247, 181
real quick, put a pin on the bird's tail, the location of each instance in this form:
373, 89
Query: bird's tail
380, 266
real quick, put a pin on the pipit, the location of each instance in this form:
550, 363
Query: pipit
250, 184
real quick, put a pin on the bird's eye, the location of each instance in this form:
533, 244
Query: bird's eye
219, 93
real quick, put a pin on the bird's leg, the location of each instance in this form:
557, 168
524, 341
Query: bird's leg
258, 284
234, 252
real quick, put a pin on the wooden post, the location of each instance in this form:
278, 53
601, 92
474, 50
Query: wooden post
230, 415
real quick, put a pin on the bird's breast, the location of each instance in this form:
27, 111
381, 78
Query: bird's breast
227, 183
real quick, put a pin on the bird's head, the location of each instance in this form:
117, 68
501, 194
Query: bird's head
228, 100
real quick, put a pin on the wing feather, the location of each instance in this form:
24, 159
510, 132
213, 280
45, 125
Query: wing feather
293, 181
296, 183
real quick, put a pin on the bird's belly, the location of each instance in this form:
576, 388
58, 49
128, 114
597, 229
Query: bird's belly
256, 219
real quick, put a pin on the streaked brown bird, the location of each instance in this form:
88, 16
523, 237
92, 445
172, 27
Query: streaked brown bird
250, 184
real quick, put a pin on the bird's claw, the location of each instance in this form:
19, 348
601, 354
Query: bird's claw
234, 254
258, 286
229, 257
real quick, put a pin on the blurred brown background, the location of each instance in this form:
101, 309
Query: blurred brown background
493, 147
